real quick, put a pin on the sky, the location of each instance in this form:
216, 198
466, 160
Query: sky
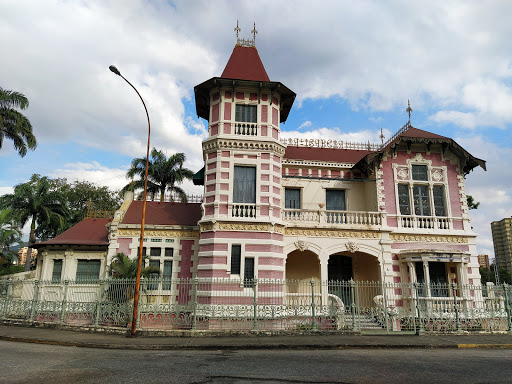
353, 65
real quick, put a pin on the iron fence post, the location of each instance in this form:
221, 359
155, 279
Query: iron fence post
35, 298
64, 301
194, 314
313, 323
507, 306
413, 298
457, 319
8, 295
353, 304
385, 306
418, 309
255, 305
98, 305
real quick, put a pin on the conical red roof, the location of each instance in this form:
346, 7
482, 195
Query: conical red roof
245, 64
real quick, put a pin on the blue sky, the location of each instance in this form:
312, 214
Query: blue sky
352, 64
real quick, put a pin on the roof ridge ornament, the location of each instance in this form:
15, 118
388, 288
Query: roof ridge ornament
245, 42
409, 110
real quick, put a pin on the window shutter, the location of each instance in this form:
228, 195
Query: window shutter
244, 185
292, 198
236, 251
57, 271
335, 200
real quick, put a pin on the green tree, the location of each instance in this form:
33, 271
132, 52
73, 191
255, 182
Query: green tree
9, 234
488, 275
35, 202
471, 202
78, 195
13, 125
163, 174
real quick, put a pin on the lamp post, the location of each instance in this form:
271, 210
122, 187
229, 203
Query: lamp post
139, 261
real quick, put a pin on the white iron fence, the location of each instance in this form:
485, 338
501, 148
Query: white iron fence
226, 304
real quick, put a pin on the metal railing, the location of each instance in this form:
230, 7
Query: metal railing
263, 304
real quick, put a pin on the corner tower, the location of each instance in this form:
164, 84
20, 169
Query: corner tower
241, 227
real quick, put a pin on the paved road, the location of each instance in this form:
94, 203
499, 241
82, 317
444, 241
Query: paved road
36, 363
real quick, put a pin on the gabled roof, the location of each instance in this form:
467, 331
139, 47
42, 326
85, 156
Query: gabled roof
245, 64
164, 213
410, 135
324, 154
87, 232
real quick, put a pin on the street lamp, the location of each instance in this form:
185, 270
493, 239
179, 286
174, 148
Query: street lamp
139, 261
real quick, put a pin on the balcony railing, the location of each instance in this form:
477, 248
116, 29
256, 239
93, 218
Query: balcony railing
243, 210
342, 218
248, 129
424, 222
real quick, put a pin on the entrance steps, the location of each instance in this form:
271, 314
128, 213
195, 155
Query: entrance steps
363, 322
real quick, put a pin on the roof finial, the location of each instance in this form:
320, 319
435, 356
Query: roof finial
245, 42
409, 110
237, 30
254, 32
381, 136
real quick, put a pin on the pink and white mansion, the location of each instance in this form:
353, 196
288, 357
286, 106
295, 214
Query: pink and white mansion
291, 209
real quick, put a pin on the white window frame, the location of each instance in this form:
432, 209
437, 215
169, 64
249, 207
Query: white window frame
403, 175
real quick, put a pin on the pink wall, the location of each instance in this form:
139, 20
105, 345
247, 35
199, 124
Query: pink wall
402, 157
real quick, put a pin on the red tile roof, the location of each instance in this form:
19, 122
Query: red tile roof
325, 154
164, 213
86, 232
415, 132
245, 64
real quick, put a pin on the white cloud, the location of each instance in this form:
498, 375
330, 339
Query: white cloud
305, 124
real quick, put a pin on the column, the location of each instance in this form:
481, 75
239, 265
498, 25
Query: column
426, 275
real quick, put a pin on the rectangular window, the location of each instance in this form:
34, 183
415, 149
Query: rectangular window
156, 240
167, 275
419, 172
57, 271
421, 200
292, 198
439, 207
169, 252
249, 272
403, 199
153, 285
244, 185
246, 113
143, 251
169, 240
236, 252
155, 252
335, 200
87, 270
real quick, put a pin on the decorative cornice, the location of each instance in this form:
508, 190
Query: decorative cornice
247, 227
331, 233
428, 238
216, 144
158, 233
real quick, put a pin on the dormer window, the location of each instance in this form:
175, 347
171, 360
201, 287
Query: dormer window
246, 113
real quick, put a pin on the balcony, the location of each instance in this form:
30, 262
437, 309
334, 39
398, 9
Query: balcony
424, 222
246, 129
334, 218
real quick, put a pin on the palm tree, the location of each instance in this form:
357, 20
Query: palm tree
122, 267
163, 174
36, 203
13, 125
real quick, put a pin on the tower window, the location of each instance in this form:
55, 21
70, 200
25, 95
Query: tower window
246, 113
244, 185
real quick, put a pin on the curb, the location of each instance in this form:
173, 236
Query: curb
254, 347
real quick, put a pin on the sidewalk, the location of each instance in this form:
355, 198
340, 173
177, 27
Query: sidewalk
249, 340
